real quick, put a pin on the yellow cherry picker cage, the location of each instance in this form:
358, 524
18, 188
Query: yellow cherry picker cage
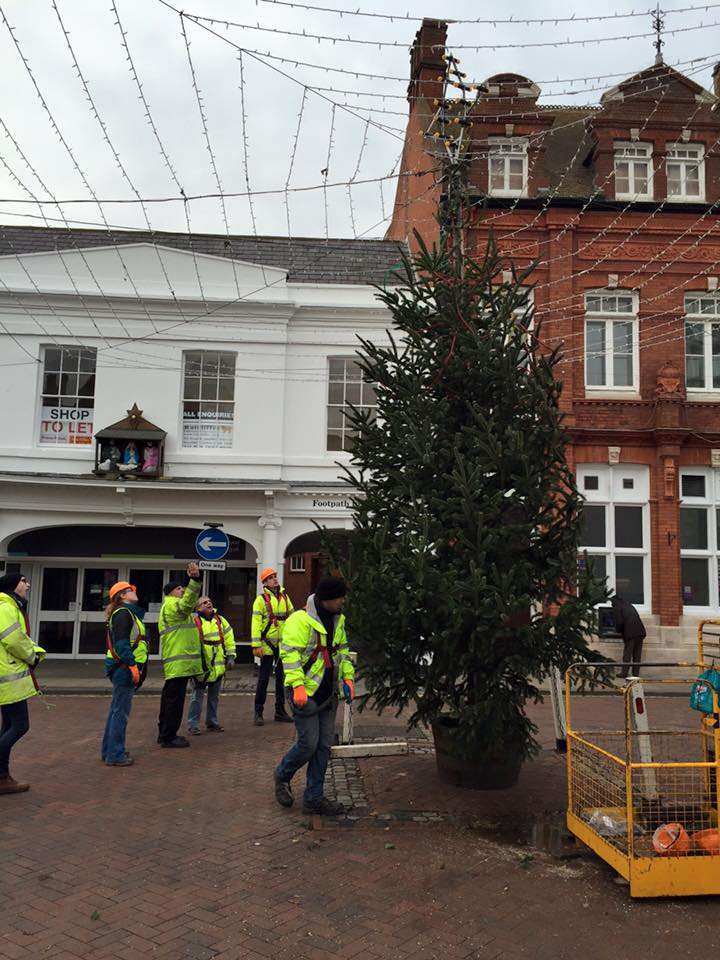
643, 775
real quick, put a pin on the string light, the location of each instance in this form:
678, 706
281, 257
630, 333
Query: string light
397, 44
163, 152
293, 154
262, 60
495, 21
206, 134
354, 177
68, 149
364, 120
114, 151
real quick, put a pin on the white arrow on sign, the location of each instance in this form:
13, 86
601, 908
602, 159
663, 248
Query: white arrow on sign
207, 543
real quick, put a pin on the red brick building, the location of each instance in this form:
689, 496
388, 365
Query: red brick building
617, 205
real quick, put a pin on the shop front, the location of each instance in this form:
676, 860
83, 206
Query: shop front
72, 568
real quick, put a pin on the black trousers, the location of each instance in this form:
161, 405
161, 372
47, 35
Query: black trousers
266, 668
15, 724
172, 705
632, 654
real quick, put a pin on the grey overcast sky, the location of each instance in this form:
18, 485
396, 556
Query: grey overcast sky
272, 101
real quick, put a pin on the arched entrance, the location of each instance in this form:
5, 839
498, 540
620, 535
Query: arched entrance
307, 560
72, 568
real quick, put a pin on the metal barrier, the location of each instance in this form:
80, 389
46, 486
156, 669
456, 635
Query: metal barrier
644, 795
708, 641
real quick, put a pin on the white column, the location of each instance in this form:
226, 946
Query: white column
270, 524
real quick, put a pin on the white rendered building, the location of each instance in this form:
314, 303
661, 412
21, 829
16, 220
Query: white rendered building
240, 350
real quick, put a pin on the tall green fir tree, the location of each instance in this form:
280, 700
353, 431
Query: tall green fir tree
465, 590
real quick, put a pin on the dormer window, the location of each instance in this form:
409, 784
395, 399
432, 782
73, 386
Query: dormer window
507, 166
633, 171
685, 172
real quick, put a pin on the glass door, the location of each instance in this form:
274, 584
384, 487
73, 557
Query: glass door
233, 591
58, 610
96, 583
149, 584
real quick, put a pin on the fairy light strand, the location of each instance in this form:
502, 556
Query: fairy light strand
158, 139
211, 154
404, 45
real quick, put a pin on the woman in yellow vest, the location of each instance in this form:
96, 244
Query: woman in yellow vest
18, 657
125, 665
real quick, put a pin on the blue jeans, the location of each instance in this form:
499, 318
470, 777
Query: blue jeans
196, 702
315, 734
113, 744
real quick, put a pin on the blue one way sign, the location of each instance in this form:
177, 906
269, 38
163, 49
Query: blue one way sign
212, 544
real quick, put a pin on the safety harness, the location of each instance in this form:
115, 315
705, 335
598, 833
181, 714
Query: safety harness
274, 619
117, 661
220, 642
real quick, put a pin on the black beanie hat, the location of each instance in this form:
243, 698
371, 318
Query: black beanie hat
330, 588
9, 582
171, 585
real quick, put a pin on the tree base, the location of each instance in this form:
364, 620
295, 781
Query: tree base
472, 771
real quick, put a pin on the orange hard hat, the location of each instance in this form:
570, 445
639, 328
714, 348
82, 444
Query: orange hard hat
118, 587
267, 572
670, 839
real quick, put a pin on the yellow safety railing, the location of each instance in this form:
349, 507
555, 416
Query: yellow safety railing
645, 797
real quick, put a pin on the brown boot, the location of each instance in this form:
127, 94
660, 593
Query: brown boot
8, 785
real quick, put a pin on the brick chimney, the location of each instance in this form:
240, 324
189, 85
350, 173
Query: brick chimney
426, 60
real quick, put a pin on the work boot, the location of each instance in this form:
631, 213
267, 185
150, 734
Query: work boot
282, 717
283, 793
323, 807
8, 785
194, 731
258, 721
125, 762
215, 728
176, 742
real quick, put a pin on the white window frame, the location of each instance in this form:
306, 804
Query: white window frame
631, 152
199, 445
507, 147
605, 314
46, 445
702, 308
345, 428
297, 563
684, 162
611, 494
711, 504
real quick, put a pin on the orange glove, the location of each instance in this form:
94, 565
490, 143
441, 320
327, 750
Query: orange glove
135, 674
257, 652
300, 697
349, 690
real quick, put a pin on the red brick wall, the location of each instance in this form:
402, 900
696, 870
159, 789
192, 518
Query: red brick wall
575, 250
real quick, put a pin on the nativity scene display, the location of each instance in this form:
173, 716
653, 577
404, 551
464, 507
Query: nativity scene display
131, 448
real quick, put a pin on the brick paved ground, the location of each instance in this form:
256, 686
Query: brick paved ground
186, 856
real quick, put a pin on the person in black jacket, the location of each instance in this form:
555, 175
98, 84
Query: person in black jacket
630, 627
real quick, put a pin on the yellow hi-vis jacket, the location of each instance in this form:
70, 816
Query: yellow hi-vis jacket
180, 647
219, 643
304, 646
269, 614
17, 653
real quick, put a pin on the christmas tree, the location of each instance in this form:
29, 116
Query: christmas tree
465, 589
